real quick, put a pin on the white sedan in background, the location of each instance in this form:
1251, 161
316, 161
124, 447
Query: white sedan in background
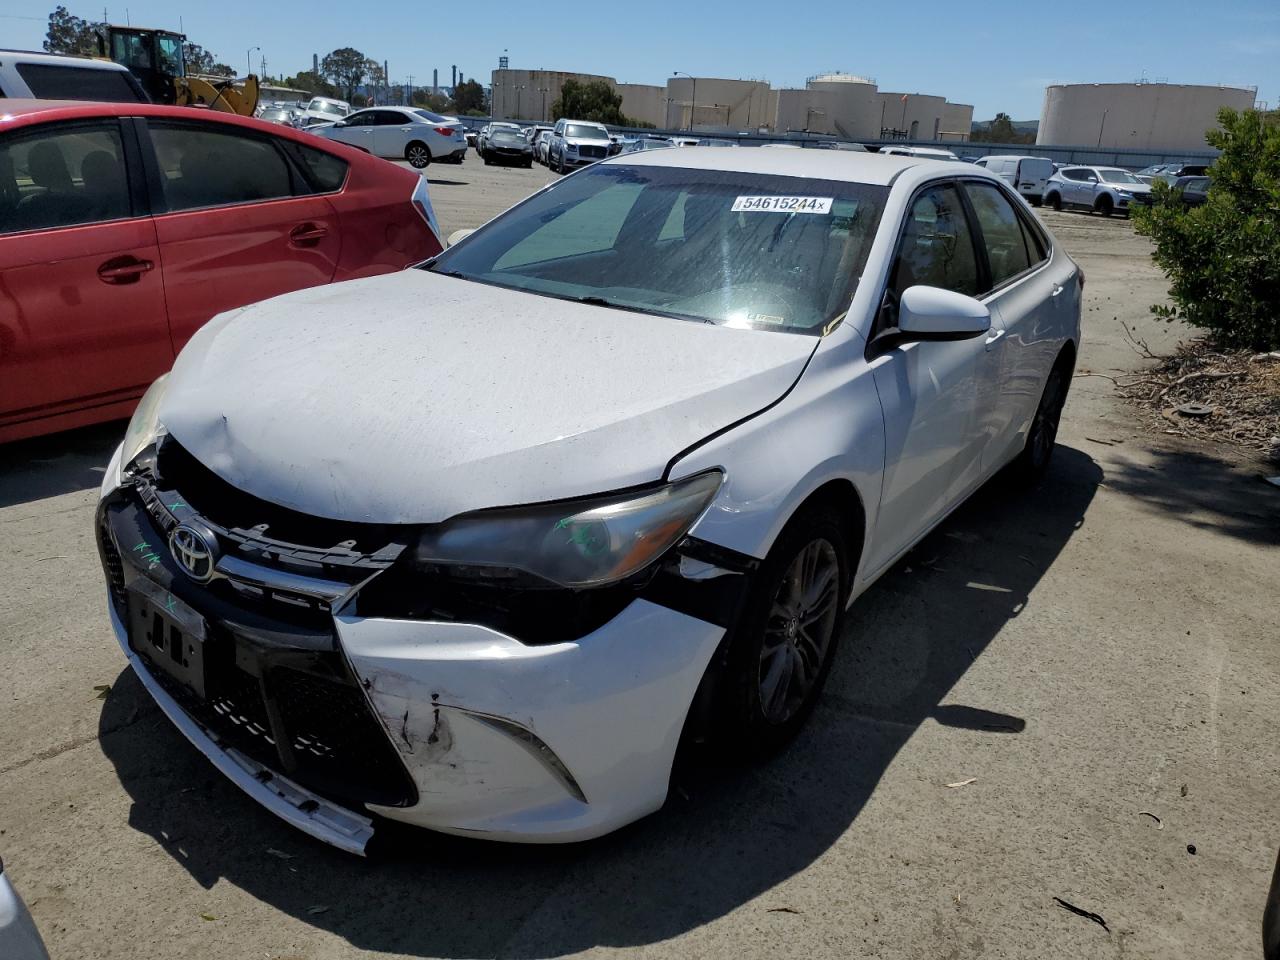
400, 133
475, 545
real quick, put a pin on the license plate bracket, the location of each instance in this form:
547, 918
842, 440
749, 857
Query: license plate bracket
167, 633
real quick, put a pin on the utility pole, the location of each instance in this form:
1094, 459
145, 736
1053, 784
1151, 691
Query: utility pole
408, 100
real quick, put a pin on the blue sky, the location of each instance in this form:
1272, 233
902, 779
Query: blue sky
996, 55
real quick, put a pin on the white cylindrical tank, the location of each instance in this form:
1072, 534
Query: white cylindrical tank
854, 106
1140, 116
917, 116
712, 103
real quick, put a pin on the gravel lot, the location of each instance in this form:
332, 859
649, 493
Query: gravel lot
1092, 656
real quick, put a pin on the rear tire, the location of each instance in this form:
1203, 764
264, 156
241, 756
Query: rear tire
417, 154
1031, 464
783, 646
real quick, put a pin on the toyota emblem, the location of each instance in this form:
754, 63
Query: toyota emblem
194, 550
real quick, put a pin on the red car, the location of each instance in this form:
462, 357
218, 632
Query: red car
125, 227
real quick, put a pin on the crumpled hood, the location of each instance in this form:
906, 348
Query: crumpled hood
413, 397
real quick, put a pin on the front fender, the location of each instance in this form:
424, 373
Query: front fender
830, 427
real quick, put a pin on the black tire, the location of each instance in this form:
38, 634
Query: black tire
418, 154
749, 722
1105, 205
528, 164
1037, 201
1054, 200
1032, 463
487, 161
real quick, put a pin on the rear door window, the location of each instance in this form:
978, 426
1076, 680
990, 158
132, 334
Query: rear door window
62, 177
325, 172
205, 167
1002, 235
49, 81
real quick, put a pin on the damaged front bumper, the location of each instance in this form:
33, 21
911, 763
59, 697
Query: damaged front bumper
319, 712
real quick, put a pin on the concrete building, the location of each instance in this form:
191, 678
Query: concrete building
838, 104
957, 121
645, 102
1142, 116
711, 103
529, 94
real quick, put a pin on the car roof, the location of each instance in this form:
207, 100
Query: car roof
873, 168
62, 59
22, 112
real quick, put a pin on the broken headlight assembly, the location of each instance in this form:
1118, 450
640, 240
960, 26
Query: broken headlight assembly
577, 544
144, 427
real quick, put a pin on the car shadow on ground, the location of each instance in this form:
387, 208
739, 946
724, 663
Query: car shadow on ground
1205, 491
59, 463
726, 836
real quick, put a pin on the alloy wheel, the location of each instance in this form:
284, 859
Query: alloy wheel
1044, 428
419, 156
799, 631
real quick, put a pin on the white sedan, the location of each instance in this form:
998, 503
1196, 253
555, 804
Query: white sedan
475, 545
400, 133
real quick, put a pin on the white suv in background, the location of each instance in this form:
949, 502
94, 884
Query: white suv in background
57, 76
1104, 190
575, 143
1028, 175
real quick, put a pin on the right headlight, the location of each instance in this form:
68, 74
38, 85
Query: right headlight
575, 544
144, 427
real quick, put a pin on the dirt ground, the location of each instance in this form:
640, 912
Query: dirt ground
1095, 659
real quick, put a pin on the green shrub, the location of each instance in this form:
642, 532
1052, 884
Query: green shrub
1223, 258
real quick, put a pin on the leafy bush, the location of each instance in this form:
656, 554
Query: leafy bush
1223, 257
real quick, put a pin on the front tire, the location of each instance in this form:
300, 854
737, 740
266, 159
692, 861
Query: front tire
784, 644
417, 154
1105, 205
1054, 200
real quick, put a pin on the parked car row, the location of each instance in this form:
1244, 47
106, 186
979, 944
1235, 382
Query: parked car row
124, 228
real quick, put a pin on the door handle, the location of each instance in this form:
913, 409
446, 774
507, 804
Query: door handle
308, 233
993, 338
1057, 289
126, 269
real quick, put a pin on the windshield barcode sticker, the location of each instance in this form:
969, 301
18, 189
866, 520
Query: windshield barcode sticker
782, 205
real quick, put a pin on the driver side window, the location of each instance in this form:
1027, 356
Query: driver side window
936, 249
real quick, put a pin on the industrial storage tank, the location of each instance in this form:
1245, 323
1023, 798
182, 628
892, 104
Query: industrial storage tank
854, 110
1139, 116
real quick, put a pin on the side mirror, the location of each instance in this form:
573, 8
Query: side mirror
340, 123
458, 236
931, 313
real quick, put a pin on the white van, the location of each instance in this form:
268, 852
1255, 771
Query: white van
924, 153
1028, 175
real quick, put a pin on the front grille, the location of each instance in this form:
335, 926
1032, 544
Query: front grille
595, 153
271, 680
315, 729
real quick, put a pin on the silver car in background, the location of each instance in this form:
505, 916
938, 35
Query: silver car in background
576, 143
1104, 190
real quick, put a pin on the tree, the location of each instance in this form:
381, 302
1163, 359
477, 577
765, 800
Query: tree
306, 80
1000, 130
70, 34
200, 60
346, 67
377, 78
468, 99
1223, 258
594, 100
435, 102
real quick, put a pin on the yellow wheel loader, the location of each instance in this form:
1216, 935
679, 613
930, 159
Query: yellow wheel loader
155, 57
